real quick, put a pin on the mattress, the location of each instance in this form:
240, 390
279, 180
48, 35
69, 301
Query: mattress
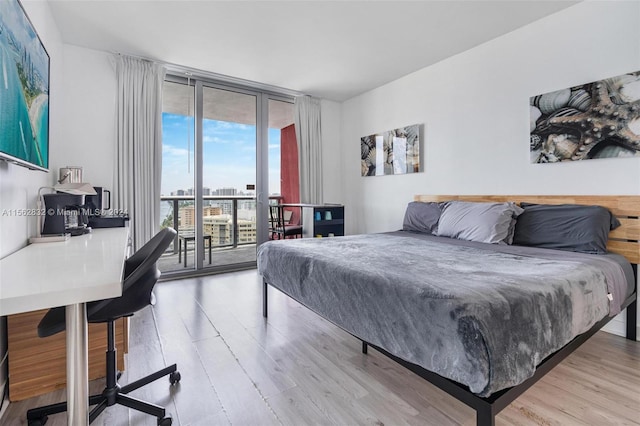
483, 315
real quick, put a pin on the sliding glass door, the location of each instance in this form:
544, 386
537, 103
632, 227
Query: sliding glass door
229, 219
219, 175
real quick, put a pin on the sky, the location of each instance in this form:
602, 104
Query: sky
229, 155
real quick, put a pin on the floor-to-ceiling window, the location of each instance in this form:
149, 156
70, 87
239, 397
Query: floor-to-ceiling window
178, 176
229, 139
222, 165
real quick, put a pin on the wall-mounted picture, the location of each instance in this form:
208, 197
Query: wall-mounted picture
24, 90
594, 120
393, 152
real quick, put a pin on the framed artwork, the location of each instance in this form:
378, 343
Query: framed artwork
24, 93
600, 119
393, 152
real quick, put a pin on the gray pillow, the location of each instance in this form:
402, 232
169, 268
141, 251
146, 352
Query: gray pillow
569, 227
422, 217
483, 222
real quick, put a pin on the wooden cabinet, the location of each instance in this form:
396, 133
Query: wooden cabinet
323, 220
38, 365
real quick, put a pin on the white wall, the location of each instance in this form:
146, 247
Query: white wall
18, 185
90, 115
475, 109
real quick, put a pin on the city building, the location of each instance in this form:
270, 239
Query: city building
220, 227
188, 218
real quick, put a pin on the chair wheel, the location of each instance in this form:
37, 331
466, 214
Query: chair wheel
165, 422
39, 422
174, 378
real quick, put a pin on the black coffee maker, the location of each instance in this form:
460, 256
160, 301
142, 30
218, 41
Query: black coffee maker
64, 214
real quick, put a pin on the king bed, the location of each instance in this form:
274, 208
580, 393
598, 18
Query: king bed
477, 295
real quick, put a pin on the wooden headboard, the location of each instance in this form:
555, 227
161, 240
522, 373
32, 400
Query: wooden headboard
624, 240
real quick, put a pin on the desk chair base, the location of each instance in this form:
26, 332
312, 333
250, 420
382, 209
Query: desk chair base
113, 393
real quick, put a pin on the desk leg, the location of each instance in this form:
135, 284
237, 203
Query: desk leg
77, 365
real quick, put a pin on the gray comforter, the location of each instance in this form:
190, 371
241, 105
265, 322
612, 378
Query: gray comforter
482, 315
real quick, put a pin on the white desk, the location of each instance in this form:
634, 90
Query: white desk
70, 273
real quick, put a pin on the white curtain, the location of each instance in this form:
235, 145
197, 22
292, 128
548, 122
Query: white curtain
138, 166
307, 124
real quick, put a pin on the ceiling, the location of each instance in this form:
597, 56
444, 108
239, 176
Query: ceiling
330, 49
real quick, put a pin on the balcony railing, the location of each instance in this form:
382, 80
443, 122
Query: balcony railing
215, 201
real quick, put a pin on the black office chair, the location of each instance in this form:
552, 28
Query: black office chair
140, 275
278, 225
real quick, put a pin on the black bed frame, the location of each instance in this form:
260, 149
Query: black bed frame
487, 408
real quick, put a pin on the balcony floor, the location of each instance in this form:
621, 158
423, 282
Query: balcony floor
219, 257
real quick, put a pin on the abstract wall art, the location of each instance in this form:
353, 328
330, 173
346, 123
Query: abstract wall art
600, 119
393, 152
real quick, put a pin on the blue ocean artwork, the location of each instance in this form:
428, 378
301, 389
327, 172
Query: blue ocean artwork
24, 88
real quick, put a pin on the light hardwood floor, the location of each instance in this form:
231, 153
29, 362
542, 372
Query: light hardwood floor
298, 369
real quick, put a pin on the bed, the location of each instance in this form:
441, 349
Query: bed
483, 322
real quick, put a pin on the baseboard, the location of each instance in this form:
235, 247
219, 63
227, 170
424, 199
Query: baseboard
618, 327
